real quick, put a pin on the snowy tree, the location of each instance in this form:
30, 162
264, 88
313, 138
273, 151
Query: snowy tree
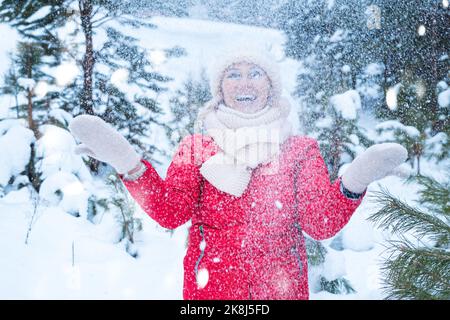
334, 40
185, 105
11, 84
125, 208
30, 86
250, 12
413, 40
322, 35
417, 267
119, 58
22, 80
412, 76
408, 136
18, 159
129, 66
171, 8
338, 132
325, 36
366, 46
321, 279
414, 125
440, 143
88, 65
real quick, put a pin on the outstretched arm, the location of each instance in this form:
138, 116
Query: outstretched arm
324, 207
171, 201
329, 206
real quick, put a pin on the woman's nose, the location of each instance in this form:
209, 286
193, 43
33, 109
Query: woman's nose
245, 83
245, 88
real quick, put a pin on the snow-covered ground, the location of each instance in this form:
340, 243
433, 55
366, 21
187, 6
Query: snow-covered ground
46, 252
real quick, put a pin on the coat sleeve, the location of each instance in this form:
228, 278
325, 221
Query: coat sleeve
323, 208
171, 201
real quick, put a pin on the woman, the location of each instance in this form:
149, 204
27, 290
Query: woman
249, 186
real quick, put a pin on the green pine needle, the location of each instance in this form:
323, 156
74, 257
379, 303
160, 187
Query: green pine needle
416, 273
400, 217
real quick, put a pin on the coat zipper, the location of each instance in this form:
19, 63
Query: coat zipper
202, 250
294, 249
200, 227
297, 226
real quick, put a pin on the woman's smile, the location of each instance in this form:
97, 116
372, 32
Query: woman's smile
246, 97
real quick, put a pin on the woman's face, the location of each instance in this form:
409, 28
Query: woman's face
245, 87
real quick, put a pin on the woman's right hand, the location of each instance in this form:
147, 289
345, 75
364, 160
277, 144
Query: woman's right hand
101, 141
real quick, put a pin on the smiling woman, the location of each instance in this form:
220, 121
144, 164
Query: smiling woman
248, 184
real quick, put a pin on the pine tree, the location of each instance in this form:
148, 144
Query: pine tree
22, 78
323, 36
125, 208
317, 253
11, 84
177, 8
119, 204
116, 78
185, 105
417, 269
326, 38
93, 92
410, 137
26, 81
439, 145
134, 115
412, 76
339, 135
263, 13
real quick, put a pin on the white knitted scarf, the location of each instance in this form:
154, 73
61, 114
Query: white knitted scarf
245, 141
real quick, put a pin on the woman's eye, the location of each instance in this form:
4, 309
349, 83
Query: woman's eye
234, 75
255, 74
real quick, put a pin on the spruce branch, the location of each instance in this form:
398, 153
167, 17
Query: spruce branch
435, 195
400, 217
416, 273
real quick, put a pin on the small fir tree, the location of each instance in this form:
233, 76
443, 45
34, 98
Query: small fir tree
417, 269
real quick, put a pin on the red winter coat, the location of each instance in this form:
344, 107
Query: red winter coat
254, 243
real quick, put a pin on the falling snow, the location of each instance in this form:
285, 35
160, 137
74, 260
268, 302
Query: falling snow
347, 103
278, 204
353, 74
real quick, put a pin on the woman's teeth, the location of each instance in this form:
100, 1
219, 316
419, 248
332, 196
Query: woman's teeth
245, 97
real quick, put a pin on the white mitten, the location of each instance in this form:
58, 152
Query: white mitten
378, 161
101, 141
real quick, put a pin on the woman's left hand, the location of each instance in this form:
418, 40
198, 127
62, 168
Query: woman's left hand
378, 161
